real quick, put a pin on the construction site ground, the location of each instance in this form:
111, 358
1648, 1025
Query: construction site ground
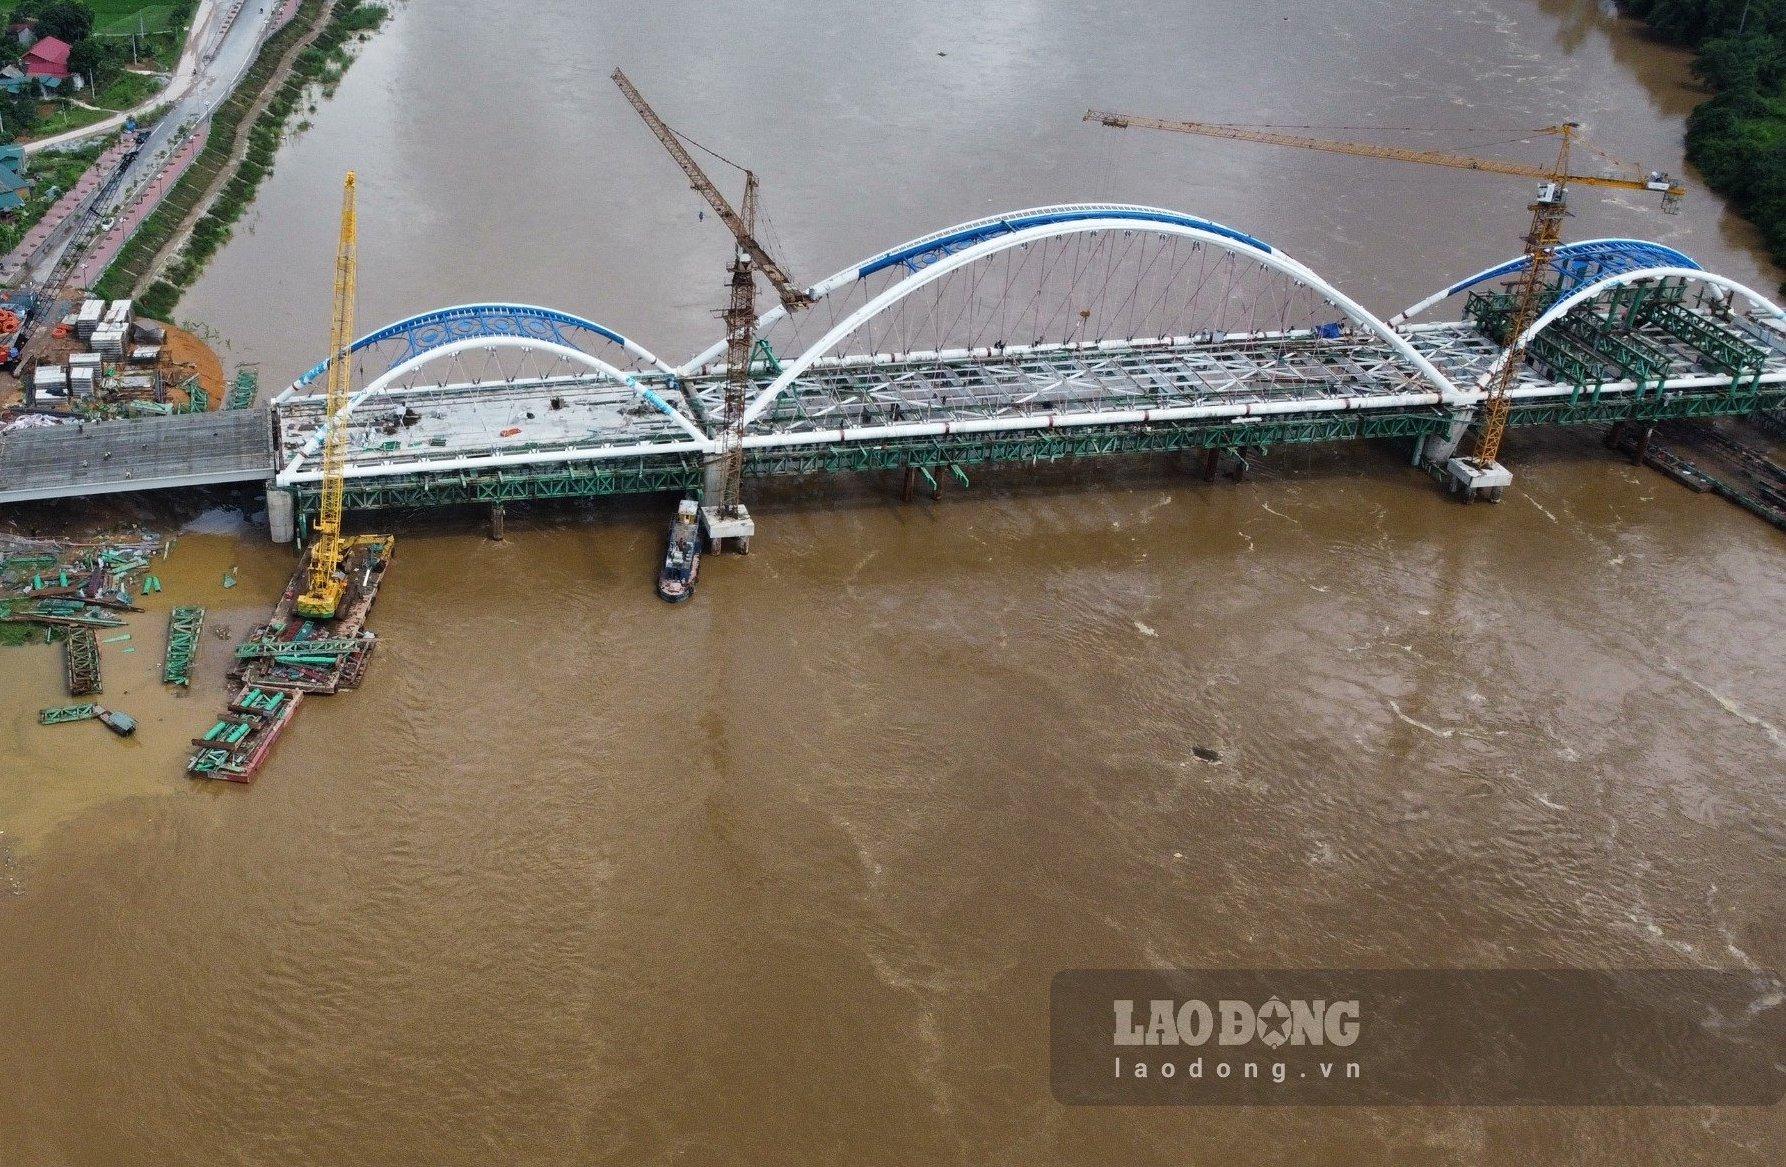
182, 356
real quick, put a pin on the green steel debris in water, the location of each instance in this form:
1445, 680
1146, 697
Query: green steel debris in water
80, 662
67, 714
331, 647
183, 628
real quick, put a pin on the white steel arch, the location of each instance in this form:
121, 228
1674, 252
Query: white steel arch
481, 319
382, 384
1213, 235
1589, 291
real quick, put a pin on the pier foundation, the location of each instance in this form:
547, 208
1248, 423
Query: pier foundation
497, 516
721, 528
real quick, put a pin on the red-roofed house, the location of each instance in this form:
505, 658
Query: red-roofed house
47, 58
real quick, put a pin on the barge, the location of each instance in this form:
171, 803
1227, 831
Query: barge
289, 657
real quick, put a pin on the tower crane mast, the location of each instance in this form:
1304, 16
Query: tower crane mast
1548, 210
324, 587
740, 315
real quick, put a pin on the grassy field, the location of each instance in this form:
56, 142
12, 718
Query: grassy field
164, 40
121, 15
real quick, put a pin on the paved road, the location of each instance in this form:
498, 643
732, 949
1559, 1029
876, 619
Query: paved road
211, 65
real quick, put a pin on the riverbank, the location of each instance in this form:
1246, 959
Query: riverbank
173, 245
1737, 137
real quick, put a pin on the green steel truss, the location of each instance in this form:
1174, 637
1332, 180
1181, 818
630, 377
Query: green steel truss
681, 473
183, 627
1585, 410
1723, 349
1037, 446
518, 484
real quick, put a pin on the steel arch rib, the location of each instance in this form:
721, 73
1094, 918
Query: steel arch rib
1590, 290
1629, 254
1229, 240
479, 312
382, 383
917, 252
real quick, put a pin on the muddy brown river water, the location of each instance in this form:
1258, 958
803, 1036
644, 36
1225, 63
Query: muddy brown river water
783, 875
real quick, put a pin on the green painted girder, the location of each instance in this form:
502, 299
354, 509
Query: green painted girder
1492, 311
183, 627
243, 390
1662, 407
67, 714
1034, 446
1641, 359
1723, 349
1624, 305
1564, 359
672, 473
683, 473
265, 648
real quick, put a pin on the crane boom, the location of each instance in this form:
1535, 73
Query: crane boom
323, 592
1668, 188
1542, 239
744, 231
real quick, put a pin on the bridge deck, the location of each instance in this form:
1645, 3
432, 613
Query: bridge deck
512, 426
599, 436
154, 453
440, 424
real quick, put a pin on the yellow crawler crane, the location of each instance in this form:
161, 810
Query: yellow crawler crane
1542, 240
322, 595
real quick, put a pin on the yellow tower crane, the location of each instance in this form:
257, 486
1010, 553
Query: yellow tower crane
1542, 240
322, 595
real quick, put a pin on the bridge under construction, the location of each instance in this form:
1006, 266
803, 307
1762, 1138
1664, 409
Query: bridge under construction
1057, 332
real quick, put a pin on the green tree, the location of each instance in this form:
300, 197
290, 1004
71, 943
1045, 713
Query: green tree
67, 20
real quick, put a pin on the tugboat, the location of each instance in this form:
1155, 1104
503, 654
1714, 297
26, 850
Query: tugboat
682, 558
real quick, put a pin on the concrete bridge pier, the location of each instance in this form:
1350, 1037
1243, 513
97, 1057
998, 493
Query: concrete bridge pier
1436, 449
1438, 453
497, 515
722, 528
282, 515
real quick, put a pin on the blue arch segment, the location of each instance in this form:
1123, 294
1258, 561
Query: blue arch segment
430, 330
921, 254
1585, 262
